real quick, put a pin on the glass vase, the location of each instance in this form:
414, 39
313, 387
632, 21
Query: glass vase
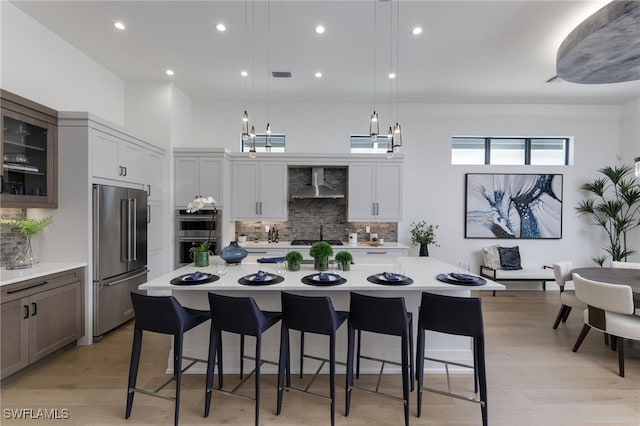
321, 263
201, 259
233, 253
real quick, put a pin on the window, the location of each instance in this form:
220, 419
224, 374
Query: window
510, 151
362, 144
277, 143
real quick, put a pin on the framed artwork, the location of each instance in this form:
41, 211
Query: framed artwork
527, 206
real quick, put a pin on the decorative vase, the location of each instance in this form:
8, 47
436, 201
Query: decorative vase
424, 250
321, 263
201, 259
293, 266
233, 253
29, 252
345, 266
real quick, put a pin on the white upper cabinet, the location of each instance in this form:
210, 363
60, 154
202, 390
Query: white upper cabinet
198, 176
259, 190
156, 176
375, 191
115, 158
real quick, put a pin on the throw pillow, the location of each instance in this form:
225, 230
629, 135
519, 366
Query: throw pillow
510, 258
491, 257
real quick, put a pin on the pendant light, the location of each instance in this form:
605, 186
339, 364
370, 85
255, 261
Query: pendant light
397, 131
245, 116
637, 160
392, 76
267, 133
252, 132
252, 138
374, 127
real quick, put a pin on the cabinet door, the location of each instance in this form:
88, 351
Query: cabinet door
55, 319
156, 180
211, 179
104, 156
134, 160
361, 192
244, 196
157, 264
187, 180
15, 336
273, 191
388, 192
156, 225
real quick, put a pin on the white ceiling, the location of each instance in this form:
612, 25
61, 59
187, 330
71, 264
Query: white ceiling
469, 52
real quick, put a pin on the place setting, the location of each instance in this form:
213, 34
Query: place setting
323, 279
462, 277
264, 277
195, 278
391, 278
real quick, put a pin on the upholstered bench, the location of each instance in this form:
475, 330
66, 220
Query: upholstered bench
502, 264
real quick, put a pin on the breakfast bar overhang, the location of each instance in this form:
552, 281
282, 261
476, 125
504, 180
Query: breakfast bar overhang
422, 270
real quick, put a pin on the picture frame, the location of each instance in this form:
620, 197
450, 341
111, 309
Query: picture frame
513, 206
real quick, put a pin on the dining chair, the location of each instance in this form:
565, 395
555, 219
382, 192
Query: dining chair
568, 299
165, 315
239, 315
610, 309
625, 265
382, 315
461, 316
310, 314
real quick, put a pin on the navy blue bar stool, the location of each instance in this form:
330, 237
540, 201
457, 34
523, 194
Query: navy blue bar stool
165, 315
384, 315
460, 316
310, 314
239, 315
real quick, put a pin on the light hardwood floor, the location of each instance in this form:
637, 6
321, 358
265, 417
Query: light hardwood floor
534, 379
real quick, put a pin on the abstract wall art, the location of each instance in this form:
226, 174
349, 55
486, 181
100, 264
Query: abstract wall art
527, 206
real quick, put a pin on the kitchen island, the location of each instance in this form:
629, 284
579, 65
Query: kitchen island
422, 270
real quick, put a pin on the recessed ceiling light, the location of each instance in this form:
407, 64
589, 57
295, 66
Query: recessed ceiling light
119, 25
318, 74
320, 29
220, 27
244, 73
392, 75
169, 72
416, 31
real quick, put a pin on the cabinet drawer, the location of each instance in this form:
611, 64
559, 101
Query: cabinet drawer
36, 285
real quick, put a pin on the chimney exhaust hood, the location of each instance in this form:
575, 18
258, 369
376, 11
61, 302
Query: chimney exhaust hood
318, 188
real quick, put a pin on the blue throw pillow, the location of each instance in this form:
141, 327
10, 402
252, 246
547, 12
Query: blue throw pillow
510, 258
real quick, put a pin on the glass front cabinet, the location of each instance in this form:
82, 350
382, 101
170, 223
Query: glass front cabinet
29, 153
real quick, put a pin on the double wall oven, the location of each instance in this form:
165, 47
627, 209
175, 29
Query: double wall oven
193, 229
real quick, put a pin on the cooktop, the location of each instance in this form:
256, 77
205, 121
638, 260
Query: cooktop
310, 242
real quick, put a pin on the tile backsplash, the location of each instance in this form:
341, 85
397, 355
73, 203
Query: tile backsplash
307, 215
11, 239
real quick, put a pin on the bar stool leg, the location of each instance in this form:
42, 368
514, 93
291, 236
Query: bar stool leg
213, 349
420, 366
482, 378
258, 362
406, 374
177, 370
411, 365
301, 353
133, 368
282, 363
358, 354
332, 376
350, 349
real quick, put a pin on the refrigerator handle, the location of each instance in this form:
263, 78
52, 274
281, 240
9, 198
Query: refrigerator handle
134, 226
126, 205
96, 234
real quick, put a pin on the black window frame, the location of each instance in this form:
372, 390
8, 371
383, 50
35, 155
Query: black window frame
527, 146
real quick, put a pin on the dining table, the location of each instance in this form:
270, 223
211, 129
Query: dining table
623, 276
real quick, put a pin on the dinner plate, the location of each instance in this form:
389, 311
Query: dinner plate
447, 278
269, 279
194, 278
329, 279
386, 280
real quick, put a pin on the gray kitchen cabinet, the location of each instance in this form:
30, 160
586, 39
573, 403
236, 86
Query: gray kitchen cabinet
378, 251
115, 158
198, 176
39, 316
375, 191
259, 190
156, 185
264, 251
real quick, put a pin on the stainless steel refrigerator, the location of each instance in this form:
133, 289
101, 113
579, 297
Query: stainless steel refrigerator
119, 253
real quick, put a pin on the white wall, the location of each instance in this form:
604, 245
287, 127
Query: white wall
39, 65
434, 189
147, 106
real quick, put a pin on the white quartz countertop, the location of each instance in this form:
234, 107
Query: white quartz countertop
422, 270
36, 271
345, 246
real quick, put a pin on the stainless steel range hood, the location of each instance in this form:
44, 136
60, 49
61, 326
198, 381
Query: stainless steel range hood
318, 188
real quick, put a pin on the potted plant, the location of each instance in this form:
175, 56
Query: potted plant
28, 228
615, 208
293, 259
201, 251
242, 238
344, 258
320, 252
423, 234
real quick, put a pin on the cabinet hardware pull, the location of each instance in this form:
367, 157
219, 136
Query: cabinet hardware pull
1, 184
125, 171
376, 252
149, 191
34, 311
120, 172
148, 213
27, 288
373, 209
26, 312
260, 207
126, 279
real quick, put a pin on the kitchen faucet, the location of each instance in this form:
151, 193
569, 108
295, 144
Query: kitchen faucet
321, 238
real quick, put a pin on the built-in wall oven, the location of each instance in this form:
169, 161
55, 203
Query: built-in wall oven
193, 229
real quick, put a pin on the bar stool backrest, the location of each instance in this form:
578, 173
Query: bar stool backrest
453, 315
160, 314
386, 315
314, 314
239, 315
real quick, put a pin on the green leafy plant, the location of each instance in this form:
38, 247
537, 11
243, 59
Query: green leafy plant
615, 207
344, 256
421, 233
320, 249
293, 257
197, 204
28, 227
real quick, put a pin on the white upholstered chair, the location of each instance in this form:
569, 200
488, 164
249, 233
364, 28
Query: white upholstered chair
562, 273
625, 265
610, 310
